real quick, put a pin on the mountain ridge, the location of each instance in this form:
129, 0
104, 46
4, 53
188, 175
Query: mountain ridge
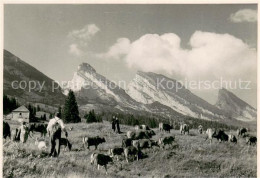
143, 94
174, 96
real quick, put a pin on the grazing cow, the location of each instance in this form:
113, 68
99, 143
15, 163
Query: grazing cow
115, 152
142, 127
251, 140
140, 134
165, 127
241, 132
184, 128
147, 143
232, 138
220, 135
209, 133
200, 129
100, 160
131, 150
126, 142
166, 141
65, 142
93, 141
143, 143
38, 127
6, 130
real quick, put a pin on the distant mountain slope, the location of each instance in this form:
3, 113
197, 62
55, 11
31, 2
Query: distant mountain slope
144, 94
148, 87
93, 88
94, 91
236, 107
17, 70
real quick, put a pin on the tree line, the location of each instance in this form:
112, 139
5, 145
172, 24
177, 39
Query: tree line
70, 114
154, 120
9, 104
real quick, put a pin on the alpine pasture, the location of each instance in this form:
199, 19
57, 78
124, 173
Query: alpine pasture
190, 156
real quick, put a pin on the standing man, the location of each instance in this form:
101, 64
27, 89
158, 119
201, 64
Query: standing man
114, 124
117, 126
54, 128
21, 133
24, 132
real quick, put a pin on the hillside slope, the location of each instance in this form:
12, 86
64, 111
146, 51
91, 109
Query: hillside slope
17, 70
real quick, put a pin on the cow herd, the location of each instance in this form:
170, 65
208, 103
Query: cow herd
221, 136
132, 145
141, 138
134, 142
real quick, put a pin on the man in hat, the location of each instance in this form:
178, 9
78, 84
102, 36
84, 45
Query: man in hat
54, 128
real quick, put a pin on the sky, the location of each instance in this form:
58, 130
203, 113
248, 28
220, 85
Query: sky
184, 42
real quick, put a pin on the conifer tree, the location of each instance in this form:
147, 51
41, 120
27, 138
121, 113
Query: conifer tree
70, 111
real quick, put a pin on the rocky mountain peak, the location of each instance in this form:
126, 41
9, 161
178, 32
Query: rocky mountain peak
227, 97
235, 106
85, 67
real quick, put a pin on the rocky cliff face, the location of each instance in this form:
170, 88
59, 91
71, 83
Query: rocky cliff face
236, 107
150, 87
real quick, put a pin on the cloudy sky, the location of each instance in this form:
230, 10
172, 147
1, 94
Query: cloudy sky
184, 42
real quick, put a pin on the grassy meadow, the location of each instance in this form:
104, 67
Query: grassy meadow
190, 156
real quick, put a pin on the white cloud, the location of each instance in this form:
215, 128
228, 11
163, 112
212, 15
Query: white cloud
84, 34
81, 38
244, 15
118, 50
73, 49
211, 55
